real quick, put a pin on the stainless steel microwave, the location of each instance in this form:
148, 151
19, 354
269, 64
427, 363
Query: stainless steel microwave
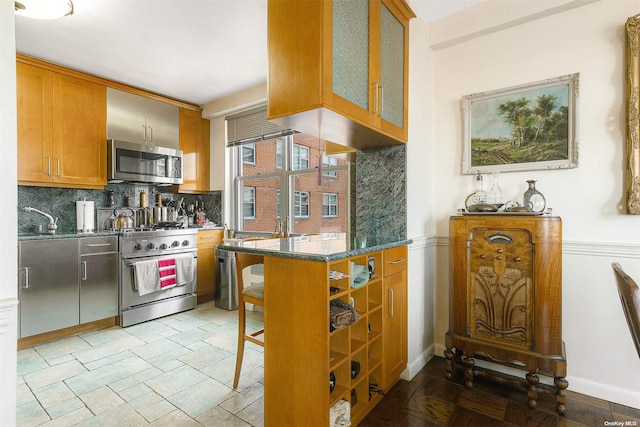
129, 161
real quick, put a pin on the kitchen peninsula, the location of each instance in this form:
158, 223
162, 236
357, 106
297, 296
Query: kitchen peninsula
302, 276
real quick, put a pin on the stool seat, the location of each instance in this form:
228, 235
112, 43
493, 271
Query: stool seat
255, 291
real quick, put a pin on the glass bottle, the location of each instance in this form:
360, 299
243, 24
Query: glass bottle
494, 196
532, 198
479, 195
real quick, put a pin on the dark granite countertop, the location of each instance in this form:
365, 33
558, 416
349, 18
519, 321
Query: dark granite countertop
63, 235
316, 247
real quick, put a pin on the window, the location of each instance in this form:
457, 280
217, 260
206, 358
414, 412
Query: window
328, 161
274, 176
301, 204
249, 203
249, 153
300, 157
279, 143
329, 205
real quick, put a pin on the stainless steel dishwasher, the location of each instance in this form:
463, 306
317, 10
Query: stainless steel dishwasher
226, 295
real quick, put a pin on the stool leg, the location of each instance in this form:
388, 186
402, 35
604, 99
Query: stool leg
241, 334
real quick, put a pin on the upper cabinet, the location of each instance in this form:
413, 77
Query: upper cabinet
194, 143
339, 69
135, 118
61, 129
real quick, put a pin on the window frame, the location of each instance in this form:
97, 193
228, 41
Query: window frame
329, 205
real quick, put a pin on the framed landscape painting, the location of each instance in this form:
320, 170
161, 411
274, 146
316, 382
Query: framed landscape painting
527, 127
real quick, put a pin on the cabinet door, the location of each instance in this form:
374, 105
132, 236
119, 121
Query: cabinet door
207, 263
393, 50
48, 285
98, 286
79, 132
394, 327
126, 116
194, 143
351, 58
34, 96
162, 124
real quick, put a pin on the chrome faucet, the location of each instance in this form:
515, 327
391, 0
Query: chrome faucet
52, 225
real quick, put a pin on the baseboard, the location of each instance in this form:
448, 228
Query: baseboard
414, 366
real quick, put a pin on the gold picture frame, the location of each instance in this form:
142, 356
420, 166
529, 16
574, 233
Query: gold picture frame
633, 121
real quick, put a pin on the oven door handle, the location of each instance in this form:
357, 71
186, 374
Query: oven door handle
131, 263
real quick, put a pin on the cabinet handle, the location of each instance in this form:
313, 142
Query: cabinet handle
144, 133
84, 270
517, 259
26, 278
391, 301
150, 134
398, 261
58, 163
381, 89
48, 166
95, 245
377, 101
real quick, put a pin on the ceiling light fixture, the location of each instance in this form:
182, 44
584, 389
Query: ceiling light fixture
44, 9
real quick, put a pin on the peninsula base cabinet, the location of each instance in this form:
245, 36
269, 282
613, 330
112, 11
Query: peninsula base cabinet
506, 301
207, 272
302, 352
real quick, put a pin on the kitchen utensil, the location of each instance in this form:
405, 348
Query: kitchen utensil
124, 220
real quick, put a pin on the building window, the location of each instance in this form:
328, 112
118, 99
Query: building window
329, 161
300, 157
279, 143
249, 153
249, 203
329, 205
275, 176
301, 204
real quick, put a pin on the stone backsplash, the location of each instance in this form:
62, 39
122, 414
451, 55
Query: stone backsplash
379, 194
61, 203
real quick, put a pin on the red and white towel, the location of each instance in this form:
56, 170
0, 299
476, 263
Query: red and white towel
167, 273
152, 276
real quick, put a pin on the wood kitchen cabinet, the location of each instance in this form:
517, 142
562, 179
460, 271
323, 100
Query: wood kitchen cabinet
505, 300
302, 351
61, 129
339, 69
208, 240
395, 314
195, 146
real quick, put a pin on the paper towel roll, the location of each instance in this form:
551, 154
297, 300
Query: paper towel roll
85, 216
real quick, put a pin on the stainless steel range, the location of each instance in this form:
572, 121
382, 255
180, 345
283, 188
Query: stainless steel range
144, 254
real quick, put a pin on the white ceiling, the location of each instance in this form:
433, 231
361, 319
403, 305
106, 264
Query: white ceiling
190, 50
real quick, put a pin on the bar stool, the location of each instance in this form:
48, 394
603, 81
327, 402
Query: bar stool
250, 294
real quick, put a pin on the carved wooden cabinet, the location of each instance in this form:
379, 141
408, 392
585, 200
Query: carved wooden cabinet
506, 299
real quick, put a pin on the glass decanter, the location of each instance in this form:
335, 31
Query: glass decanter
532, 198
494, 196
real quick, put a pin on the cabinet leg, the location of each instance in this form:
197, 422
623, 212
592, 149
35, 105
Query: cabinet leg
561, 397
448, 355
469, 364
532, 393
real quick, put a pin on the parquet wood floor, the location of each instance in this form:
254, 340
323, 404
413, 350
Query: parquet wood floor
430, 400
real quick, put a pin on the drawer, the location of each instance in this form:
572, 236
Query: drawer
395, 260
96, 245
213, 237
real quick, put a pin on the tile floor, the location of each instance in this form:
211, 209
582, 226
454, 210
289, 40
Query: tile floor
173, 371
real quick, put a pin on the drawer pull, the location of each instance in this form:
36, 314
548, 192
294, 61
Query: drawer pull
96, 245
398, 261
517, 259
482, 256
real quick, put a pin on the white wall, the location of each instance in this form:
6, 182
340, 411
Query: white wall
8, 215
585, 38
